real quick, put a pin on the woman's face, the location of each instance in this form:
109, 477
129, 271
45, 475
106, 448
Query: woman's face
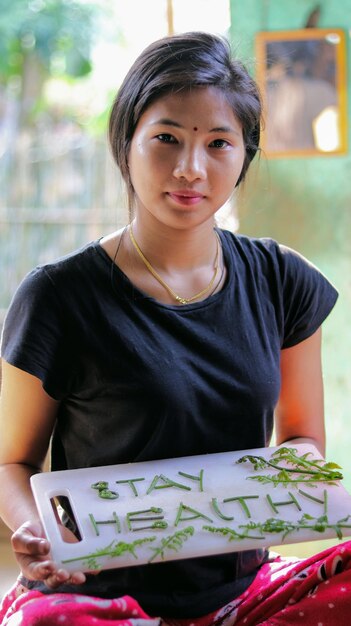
185, 157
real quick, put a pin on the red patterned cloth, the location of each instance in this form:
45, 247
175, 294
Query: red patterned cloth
33, 608
286, 592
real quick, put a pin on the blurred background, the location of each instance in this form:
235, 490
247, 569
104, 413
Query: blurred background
61, 63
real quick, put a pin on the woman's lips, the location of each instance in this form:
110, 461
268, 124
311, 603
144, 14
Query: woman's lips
186, 198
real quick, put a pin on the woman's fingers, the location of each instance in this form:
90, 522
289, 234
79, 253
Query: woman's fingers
61, 577
32, 553
29, 538
48, 572
23, 544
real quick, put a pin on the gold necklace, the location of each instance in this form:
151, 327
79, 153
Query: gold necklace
174, 295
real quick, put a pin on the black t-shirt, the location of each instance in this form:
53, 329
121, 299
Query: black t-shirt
140, 380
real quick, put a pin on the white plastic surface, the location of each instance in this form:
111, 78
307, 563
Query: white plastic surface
196, 502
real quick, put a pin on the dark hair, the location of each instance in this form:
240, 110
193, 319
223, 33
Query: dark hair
178, 63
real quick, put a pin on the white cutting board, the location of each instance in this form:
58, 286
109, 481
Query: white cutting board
208, 496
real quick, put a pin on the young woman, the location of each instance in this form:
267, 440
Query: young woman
168, 338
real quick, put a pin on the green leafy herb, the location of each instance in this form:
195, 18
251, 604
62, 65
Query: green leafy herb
274, 525
104, 491
172, 542
307, 522
296, 469
114, 549
231, 534
161, 525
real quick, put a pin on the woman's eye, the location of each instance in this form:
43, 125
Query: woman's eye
219, 143
166, 138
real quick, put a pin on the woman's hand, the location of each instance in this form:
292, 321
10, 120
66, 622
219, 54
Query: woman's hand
32, 552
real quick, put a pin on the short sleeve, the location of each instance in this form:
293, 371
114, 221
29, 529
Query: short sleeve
307, 296
34, 337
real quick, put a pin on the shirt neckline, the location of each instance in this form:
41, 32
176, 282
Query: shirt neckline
138, 294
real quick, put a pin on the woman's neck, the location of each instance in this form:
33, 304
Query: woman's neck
170, 249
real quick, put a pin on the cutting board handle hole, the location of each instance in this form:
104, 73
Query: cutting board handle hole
65, 519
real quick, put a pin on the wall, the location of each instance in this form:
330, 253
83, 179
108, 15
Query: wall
306, 203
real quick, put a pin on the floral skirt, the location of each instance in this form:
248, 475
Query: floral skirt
286, 591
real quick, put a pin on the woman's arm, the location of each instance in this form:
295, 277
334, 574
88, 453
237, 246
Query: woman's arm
300, 409
27, 418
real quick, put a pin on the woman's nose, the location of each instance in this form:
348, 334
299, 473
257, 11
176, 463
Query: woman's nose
191, 164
